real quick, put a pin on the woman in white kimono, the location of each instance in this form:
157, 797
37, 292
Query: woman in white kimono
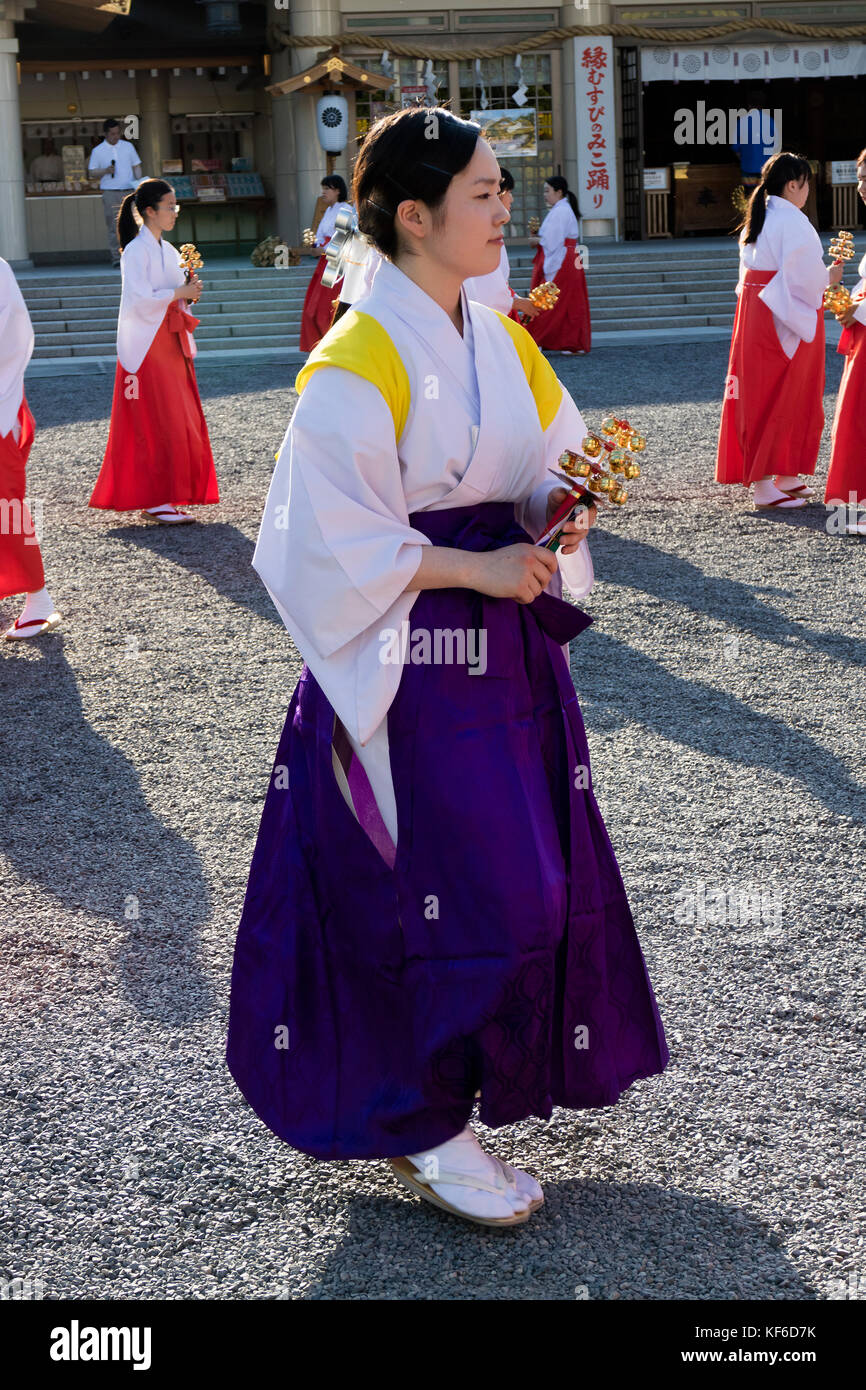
494, 289
318, 301
434, 910
158, 453
773, 412
566, 327
21, 569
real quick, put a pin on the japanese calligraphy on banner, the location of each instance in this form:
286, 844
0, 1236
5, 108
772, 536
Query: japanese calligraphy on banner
596, 126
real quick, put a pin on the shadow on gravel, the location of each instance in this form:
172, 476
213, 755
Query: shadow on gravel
217, 552
612, 1241
710, 721
74, 820
621, 560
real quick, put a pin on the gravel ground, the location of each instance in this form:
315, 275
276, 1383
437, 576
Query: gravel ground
719, 685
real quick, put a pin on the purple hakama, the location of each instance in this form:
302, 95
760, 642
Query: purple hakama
370, 1002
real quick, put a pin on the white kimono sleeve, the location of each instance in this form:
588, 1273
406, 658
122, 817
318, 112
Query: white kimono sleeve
335, 548
567, 430
796, 290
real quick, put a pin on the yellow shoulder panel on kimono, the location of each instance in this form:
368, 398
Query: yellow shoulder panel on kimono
358, 343
543, 381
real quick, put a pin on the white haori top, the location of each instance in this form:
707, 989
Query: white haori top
492, 289
325, 229
789, 244
559, 224
151, 271
335, 547
16, 348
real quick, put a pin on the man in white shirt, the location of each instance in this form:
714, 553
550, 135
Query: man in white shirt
117, 165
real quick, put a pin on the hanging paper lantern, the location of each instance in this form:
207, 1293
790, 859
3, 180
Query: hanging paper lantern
332, 120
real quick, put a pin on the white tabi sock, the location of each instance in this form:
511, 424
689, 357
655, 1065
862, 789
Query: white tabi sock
785, 481
464, 1154
766, 491
37, 606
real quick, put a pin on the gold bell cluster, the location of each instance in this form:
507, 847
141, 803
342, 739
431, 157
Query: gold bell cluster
190, 258
534, 225
606, 458
842, 246
837, 299
544, 296
308, 236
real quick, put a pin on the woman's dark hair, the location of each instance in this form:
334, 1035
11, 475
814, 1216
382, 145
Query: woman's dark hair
413, 153
560, 185
506, 180
334, 181
778, 170
147, 195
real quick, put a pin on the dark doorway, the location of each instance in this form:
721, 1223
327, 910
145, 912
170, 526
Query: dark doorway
821, 119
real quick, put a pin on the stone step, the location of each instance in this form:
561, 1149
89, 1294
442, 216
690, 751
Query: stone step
56, 320
639, 312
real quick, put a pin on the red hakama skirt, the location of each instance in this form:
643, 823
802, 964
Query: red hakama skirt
21, 569
158, 446
773, 412
847, 474
565, 327
318, 308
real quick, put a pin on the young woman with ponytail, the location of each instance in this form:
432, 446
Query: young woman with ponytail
846, 480
565, 327
158, 453
773, 412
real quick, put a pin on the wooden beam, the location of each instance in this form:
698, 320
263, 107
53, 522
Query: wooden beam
253, 60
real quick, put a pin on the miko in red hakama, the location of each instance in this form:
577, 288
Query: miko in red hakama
158, 444
21, 569
846, 480
318, 308
773, 412
565, 327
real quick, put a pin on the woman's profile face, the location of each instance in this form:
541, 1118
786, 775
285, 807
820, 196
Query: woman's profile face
506, 198
464, 235
330, 196
163, 215
551, 195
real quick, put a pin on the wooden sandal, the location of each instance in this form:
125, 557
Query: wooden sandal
16, 632
168, 516
789, 502
409, 1175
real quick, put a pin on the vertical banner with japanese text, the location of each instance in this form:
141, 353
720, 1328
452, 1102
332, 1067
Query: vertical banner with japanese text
596, 126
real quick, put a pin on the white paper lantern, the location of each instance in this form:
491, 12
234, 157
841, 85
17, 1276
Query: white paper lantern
332, 121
